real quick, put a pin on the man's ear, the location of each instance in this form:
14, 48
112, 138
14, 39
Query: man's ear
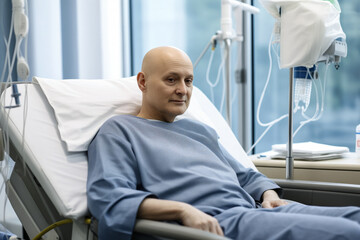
141, 81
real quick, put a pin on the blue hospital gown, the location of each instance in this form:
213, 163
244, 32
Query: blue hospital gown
133, 158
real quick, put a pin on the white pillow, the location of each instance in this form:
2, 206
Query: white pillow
82, 106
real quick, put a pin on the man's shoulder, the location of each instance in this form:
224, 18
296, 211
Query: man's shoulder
189, 121
117, 118
196, 125
118, 121
193, 122
121, 118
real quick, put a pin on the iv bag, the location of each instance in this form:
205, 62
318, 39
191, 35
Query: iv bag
308, 28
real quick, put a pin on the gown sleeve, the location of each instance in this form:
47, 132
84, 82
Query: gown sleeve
253, 182
113, 185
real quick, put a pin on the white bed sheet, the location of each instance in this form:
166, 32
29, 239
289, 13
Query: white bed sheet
63, 173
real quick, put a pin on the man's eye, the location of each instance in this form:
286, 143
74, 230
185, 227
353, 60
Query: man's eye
188, 81
171, 79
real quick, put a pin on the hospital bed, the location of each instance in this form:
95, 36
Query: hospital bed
48, 138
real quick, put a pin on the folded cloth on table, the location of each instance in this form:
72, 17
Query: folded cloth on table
309, 151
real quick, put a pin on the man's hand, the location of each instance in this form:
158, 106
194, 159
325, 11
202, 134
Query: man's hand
195, 218
156, 209
271, 200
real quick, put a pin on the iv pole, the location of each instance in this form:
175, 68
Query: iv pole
335, 51
289, 157
227, 36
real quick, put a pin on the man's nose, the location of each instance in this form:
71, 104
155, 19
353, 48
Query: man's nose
181, 88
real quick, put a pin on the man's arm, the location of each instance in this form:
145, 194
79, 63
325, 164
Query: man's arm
156, 209
253, 182
111, 185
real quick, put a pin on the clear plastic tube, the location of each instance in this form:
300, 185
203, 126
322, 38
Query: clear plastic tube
211, 84
5, 62
4, 164
319, 110
276, 50
25, 114
272, 123
7, 46
302, 123
6, 80
11, 65
207, 76
223, 90
323, 90
303, 90
303, 110
202, 54
258, 139
214, 84
264, 91
222, 103
26, 38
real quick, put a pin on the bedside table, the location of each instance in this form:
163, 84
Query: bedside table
344, 170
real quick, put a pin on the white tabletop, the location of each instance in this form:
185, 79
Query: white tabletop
349, 161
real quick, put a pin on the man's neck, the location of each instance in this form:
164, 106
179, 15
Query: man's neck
144, 115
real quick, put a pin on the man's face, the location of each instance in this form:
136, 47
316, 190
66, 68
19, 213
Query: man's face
169, 88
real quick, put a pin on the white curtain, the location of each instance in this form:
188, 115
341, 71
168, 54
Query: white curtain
79, 38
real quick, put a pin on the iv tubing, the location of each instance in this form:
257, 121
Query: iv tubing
5, 82
263, 93
323, 89
208, 71
213, 85
7, 43
207, 77
272, 123
224, 87
316, 115
6, 62
202, 54
211, 42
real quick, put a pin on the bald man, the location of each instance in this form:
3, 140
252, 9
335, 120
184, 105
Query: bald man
151, 166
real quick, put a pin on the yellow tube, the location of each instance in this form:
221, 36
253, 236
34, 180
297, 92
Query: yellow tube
52, 226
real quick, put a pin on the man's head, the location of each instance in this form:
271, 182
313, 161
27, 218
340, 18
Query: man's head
166, 83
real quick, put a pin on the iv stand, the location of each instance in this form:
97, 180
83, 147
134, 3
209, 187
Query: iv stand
334, 53
336, 50
289, 157
227, 79
227, 35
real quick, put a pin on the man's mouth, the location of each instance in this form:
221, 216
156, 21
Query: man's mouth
178, 101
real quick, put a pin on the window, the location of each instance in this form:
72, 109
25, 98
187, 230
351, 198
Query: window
189, 25
342, 99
